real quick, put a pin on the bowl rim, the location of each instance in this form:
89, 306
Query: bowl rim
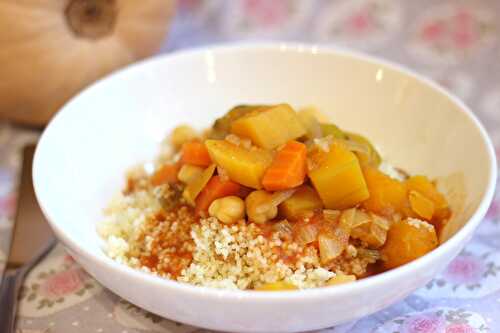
295, 295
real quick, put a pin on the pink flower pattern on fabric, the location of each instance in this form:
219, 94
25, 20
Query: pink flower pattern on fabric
426, 323
459, 31
263, 19
267, 13
465, 269
361, 21
68, 260
452, 32
436, 320
432, 31
63, 283
460, 328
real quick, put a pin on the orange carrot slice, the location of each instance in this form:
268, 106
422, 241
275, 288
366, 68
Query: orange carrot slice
215, 189
165, 174
288, 168
195, 153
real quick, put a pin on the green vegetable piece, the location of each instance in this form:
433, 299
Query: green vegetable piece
374, 157
333, 130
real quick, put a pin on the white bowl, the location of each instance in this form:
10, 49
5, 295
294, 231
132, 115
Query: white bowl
84, 152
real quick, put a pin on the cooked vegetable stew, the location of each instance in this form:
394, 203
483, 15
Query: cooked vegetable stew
272, 199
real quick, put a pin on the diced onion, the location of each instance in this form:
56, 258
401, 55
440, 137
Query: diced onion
283, 227
329, 248
347, 217
374, 232
307, 233
237, 141
315, 157
279, 197
342, 235
234, 139
222, 174
369, 255
274, 200
311, 164
379, 235
316, 131
324, 143
330, 214
355, 146
380, 221
360, 218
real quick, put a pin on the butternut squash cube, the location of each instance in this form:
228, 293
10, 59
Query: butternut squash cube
387, 196
421, 205
338, 179
408, 240
428, 190
425, 187
222, 125
243, 166
271, 127
304, 199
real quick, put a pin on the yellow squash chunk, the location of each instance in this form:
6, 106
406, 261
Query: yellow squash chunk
421, 205
304, 199
269, 128
222, 126
425, 187
243, 166
338, 179
197, 184
408, 240
277, 286
333, 130
387, 196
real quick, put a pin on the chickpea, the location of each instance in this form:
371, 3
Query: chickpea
228, 210
182, 134
260, 207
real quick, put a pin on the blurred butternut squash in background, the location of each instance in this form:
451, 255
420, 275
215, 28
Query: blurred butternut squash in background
52, 49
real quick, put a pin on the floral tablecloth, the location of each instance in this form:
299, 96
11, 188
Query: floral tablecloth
455, 42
